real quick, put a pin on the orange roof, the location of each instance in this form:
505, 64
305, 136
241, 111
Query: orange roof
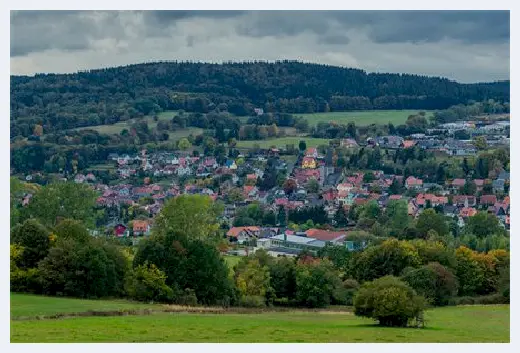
468, 212
408, 143
235, 231
140, 226
324, 235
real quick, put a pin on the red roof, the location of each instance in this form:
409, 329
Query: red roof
408, 143
458, 182
235, 231
396, 197
413, 181
488, 199
324, 235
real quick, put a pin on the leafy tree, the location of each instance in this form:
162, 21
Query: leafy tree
431, 220
340, 217
34, 239
289, 186
85, 270
316, 283
188, 263
148, 283
388, 300
72, 229
252, 279
435, 251
389, 258
483, 224
480, 143
282, 273
434, 282
302, 146
192, 215
397, 214
63, 200
312, 186
184, 144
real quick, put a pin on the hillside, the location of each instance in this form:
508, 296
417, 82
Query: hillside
107, 96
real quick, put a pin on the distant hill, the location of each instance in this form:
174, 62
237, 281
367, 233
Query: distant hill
106, 96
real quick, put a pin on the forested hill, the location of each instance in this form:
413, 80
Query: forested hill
114, 94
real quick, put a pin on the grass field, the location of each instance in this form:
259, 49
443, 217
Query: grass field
450, 324
231, 261
35, 305
282, 141
361, 118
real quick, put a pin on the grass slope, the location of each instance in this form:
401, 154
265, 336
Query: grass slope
282, 141
450, 324
361, 118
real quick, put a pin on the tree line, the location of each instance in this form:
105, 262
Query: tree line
106, 96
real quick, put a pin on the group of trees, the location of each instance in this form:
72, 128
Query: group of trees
107, 96
53, 253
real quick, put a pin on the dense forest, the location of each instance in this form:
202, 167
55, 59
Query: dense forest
106, 96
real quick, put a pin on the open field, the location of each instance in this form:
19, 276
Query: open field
120, 126
361, 118
282, 141
450, 324
35, 305
231, 261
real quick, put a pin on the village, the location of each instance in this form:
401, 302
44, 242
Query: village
309, 179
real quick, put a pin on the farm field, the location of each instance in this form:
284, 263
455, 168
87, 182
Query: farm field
449, 324
361, 118
282, 141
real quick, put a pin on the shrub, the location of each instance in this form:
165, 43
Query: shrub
188, 298
252, 301
147, 283
434, 282
388, 300
491, 299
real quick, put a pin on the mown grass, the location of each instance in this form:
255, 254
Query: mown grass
283, 141
475, 324
26, 305
361, 118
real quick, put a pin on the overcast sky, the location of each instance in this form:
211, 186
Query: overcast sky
467, 46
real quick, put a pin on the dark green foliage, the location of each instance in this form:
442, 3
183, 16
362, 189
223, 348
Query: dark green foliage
388, 300
71, 229
86, 270
316, 283
338, 255
282, 272
483, 225
431, 220
434, 282
188, 263
35, 240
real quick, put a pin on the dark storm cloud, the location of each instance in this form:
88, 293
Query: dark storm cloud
34, 31
429, 26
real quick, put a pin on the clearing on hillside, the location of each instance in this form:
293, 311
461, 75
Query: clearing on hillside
362, 118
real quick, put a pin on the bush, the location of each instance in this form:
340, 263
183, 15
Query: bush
388, 300
252, 301
188, 298
491, 299
26, 281
434, 282
147, 283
